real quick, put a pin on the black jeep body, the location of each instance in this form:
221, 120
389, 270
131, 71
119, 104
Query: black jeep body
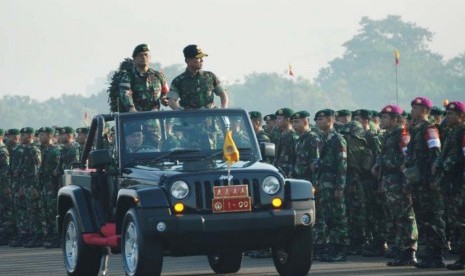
161, 187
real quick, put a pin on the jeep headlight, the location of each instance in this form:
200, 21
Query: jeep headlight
271, 185
179, 189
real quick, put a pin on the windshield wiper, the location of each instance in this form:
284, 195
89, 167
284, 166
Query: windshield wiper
175, 152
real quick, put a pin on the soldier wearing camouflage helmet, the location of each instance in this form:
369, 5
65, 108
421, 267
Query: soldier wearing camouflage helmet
142, 88
195, 88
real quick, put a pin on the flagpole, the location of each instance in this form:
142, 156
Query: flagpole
397, 90
292, 94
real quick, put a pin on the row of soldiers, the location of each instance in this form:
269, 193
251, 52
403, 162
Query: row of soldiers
383, 182
31, 167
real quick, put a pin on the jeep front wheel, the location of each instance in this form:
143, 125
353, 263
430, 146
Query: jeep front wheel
294, 258
79, 258
225, 262
142, 255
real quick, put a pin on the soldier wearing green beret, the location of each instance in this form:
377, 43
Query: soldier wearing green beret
306, 147
69, 154
271, 129
14, 157
331, 181
6, 216
26, 191
256, 118
49, 184
81, 139
285, 145
195, 88
142, 88
342, 116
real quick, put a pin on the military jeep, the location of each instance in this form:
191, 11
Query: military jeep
161, 187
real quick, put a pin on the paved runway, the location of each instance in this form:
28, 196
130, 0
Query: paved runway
48, 262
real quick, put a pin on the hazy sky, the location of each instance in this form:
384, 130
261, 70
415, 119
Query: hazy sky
51, 47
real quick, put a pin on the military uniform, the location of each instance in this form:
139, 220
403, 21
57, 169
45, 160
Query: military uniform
6, 227
285, 146
50, 155
69, 154
142, 90
423, 149
331, 177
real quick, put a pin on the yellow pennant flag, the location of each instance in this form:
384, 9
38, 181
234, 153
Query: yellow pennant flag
230, 152
397, 56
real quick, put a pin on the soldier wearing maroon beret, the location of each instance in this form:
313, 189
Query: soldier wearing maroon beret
428, 201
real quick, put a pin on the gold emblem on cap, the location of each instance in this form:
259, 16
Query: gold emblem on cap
388, 109
418, 101
280, 111
452, 106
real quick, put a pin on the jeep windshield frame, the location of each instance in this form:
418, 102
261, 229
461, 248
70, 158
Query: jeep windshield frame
183, 136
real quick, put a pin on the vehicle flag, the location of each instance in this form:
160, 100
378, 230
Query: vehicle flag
86, 119
397, 56
230, 152
291, 74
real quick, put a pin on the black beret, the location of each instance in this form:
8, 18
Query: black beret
82, 130
193, 51
255, 115
140, 48
343, 113
28, 130
364, 113
325, 113
436, 110
286, 112
66, 130
374, 113
46, 130
300, 114
270, 117
12, 131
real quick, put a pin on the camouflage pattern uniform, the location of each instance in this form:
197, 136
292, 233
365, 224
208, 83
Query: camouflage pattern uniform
6, 227
195, 91
285, 151
145, 89
262, 136
401, 216
307, 154
423, 149
330, 178
49, 189
69, 155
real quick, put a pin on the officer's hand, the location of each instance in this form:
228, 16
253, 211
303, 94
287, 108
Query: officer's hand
132, 109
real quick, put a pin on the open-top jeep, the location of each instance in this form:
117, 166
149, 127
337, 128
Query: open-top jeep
162, 188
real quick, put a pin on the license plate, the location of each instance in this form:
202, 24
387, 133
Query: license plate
234, 204
231, 191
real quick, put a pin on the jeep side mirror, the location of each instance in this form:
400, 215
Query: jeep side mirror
267, 149
98, 159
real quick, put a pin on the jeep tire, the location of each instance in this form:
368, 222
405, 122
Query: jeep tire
142, 255
294, 258
80, 258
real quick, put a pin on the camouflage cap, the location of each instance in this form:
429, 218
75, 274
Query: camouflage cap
364, 113
300, 115
140, 48
343, 113
325, 113
193, 51
422, 101
456, 106
82, 130
28, 130
286, 112
269, 117
436, 111
354, 128
255, 115
12, 131
2, 132
392, 109
46, 130
66, 130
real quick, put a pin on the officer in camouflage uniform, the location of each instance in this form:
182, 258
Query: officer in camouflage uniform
401, 216
343, 116
12, 143
69, 154
81, 138
27, 192
195, 88
6, 228
428, 201
449, 172
331, 181
142, 88
49, 185
256, 118
306, 147
285, 146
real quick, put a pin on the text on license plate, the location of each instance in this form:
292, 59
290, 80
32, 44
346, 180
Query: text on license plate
234, 204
